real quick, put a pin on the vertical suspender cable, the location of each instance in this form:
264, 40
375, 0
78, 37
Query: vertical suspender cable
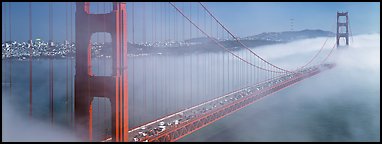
152, 22
205, 60
30, 59
259, 75
72, 60
223, 63
164, 22
242, 74
167, 70
211, 73
172, 74
5, 37
215, 60
184, 61
104, 69
50, 63
98, 73
160, 86
247, 71
164, 58
173, 96
70, 67
153, 61
197, 62
52, 67
132, 58
167, 79
162, 61
268, 73
217, 72
176, 82
167, 74
66, 48
144, 63
155, 89
10, 51
191, 71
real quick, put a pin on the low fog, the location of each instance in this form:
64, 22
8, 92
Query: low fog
17, 126
341, 104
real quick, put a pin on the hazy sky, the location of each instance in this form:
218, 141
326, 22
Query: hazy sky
242, 18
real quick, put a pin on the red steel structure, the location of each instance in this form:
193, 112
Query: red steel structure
88, 86
342, 24
115, 87
177, 132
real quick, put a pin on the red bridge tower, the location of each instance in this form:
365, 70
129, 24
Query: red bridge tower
342, 24
113, 87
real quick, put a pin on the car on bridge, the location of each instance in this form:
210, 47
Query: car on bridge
162, 126
136, 139
176, 122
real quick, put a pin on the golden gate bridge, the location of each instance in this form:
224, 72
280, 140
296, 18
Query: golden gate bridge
242, 77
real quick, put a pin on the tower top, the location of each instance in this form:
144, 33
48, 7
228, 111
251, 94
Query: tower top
342, 13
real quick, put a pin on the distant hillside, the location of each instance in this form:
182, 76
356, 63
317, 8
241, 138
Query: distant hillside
193, 45
290, 35
198, 40
204, 44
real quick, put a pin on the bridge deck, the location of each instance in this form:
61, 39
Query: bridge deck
184, 122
